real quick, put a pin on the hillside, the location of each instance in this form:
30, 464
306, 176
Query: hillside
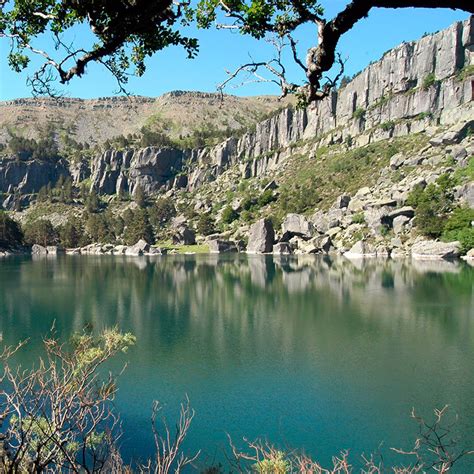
94, 121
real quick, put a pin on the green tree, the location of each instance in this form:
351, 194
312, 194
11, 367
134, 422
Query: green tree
139, 227
206, 224
11, 234
92, 202
432, 205
229, 215
71, 233
139, 196
162, 212
40, 232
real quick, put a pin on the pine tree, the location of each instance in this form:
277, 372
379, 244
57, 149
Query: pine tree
92, 202
40, 232
139, 196
138, 228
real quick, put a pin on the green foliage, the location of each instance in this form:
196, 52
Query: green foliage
206, 224
358, 218
466, 72
40, 232
162, 211
300, 197
11, 234
229, 215
92, 201
359, 113
459, 227
154, 138
462, 175
45, 149
387, 126
429, 81
124, 35
139, 196
432, 205
276, 463
137, 226
265, 198
71, 234
100, 227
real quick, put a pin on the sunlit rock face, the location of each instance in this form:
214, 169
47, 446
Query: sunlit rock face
396, 87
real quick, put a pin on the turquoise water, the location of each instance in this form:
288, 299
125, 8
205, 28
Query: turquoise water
308, 352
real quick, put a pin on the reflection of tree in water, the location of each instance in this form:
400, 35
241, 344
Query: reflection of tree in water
185, 294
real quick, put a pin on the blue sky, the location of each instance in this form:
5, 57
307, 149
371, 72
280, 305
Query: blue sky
224, 50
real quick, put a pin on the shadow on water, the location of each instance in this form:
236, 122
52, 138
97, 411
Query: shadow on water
312, 352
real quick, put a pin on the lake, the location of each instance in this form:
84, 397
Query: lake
309, 352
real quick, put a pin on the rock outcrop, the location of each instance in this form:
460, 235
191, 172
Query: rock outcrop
429, 249
261, 237
29, 176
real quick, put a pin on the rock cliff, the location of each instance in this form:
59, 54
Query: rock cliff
417, 84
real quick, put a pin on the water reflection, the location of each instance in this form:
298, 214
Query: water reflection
321, 353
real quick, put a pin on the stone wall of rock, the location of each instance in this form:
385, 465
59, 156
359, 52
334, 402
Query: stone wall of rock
391, 90
29, 176
387, 91
122, 171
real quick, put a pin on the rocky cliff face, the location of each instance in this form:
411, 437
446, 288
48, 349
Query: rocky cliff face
412, 87
29, 176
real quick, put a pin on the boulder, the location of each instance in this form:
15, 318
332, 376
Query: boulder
361, 249
430, 249
454, 135
138, 249
272, 185
156, 251
282, 248
469, 255
406, 211
399, 224
397, 160
261, 237
53, 249
222, 246
466, 194
356, 205
342, 201
39, 250
296, 224
374, 219
184, 236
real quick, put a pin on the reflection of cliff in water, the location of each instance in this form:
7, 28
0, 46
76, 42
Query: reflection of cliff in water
235, 293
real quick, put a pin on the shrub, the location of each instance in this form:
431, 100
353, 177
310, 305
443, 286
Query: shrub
358, 218
206, 224
265, 198
388, 126
458, 227
432, 205
359, 113
429, 81
229, 215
